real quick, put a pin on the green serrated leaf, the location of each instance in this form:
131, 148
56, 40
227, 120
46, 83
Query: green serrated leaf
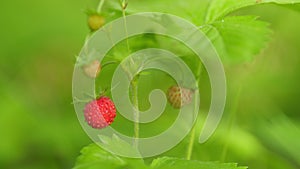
118, 145
94, 157
220, 8
176, 163
191, 10
238, 38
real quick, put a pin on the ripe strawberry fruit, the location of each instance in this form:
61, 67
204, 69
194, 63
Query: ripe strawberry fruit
92, 69
95, 21
100, 113
179, 96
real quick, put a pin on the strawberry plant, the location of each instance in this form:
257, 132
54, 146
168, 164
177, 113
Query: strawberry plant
92, 69
179, 96
95, 21
236, 38
100, 113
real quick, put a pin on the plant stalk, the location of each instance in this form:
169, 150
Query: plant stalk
193, 131
134, 83
99, 8
191, 143
134, 90
125, 27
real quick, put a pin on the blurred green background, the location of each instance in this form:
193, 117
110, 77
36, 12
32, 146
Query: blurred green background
38, 125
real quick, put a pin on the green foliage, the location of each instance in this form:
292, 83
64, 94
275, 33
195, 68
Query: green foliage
218, 9
38, 125
238, 38
282, 133
93, 156
119, 146
175, 163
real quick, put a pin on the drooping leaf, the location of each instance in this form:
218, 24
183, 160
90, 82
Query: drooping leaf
238, 38
218, 9
176, 163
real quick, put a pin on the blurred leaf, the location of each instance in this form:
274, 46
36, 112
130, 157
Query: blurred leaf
175, 163
238, 38
281, 134
295, 7
220, 8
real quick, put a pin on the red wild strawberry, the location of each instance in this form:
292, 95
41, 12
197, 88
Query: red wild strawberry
179, 96
92, 69
95, 21
100, 113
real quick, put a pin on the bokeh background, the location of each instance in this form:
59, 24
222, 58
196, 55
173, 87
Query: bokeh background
38, 125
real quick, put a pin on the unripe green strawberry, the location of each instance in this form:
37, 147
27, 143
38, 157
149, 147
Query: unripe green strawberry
92, 69
100, 113
179, 96
95, 21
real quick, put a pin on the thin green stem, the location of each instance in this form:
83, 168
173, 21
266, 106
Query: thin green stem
124, 5
100, 5
125, 27
134, 82
109, 37
191, 143
193, 131
134, 89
